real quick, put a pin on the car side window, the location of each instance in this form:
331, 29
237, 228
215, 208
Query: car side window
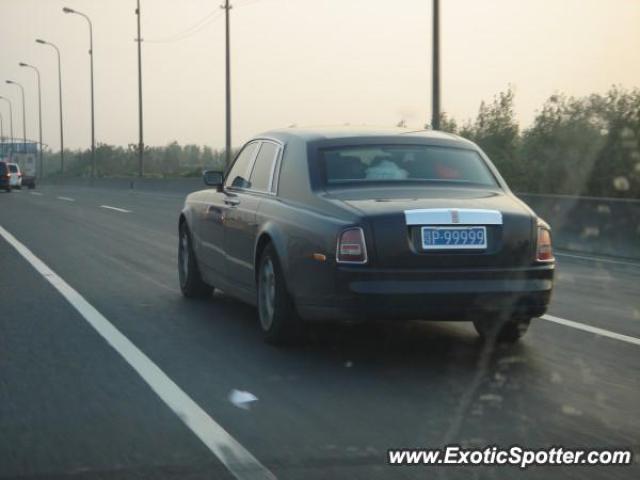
261, 175
238, 176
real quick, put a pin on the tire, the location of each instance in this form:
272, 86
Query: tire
279, 321
191, 283
495, 328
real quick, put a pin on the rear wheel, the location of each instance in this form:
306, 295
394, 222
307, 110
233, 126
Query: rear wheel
501, 330
191, 283
278, 319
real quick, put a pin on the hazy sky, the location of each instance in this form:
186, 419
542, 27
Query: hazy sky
309, 62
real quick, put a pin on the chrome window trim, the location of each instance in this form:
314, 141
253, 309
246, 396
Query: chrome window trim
275, 172
252, 166
274, 177
249, 165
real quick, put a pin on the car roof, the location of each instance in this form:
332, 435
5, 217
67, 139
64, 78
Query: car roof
309, 134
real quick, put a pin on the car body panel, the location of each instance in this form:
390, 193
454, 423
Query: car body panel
5, 176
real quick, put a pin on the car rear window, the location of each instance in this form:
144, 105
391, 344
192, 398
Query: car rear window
404, 163
13, 168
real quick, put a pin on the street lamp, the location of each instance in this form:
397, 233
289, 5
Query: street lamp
93, 130
24, 121
26, 65
44, 42
10, 118
1, 135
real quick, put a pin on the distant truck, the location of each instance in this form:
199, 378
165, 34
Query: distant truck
25, 154
28, 166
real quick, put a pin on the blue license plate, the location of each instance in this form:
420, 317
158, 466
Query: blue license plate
454, 238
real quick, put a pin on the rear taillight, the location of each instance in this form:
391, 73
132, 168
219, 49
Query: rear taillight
351, 246
19, 175
544, 251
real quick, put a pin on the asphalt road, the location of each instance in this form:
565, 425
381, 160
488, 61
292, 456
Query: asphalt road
72, 407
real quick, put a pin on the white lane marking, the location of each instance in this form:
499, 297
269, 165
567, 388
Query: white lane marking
115, 208
67, 199
36, 193
240, 462
590, 329
597, 259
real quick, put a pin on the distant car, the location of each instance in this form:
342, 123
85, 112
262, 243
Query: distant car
16, 175
5, 177
350, 225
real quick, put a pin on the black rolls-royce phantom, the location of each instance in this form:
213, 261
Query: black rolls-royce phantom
343, 224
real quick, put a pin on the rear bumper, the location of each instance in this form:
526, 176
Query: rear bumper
358, 294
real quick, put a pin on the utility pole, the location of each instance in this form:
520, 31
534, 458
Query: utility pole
140, 129
226, 8
435, 99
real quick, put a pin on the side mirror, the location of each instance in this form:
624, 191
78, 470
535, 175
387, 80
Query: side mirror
213, 178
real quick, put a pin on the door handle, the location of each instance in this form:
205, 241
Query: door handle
231, 202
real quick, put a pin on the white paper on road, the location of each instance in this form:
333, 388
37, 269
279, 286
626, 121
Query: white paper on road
242, 399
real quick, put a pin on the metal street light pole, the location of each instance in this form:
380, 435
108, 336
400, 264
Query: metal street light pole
44, 42
435, 118
93, 130
22, 64
24, 116
2, 130
10, 118
227, 8
140, 129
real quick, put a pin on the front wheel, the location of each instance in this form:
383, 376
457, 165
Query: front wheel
191, 283
278, 319
500, 330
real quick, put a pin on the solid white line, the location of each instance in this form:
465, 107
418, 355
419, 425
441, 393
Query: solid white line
240, 462
590, 329
116, 209
597, 259
66, 199
36, 193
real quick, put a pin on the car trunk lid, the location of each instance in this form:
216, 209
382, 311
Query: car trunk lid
395, 223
